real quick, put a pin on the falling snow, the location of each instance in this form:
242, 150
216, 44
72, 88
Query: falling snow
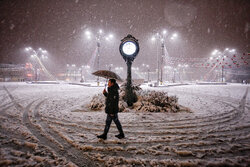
193, 51
208, 30
43, 22
12, 26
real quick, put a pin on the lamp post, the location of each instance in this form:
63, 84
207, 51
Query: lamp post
35, 55
81, 80
174, 75
162, 56
98, 56
147, 66
157, 36
74, 71
129, 48
148, 72
162, 37
85, 68
67, 72
165, 69
222, 56
99, 36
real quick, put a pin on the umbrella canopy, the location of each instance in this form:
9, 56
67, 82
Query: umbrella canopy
107, 74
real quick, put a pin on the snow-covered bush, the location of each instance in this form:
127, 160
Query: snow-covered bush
146, 101
97, 102
135, 90
153, 101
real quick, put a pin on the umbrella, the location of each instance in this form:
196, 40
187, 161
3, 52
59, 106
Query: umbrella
107, 74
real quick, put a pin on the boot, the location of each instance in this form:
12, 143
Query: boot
103, 136
120, 136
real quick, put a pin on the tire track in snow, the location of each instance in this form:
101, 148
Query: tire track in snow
43, 138
170, 154
5, 96
222, 139
77, 155
219, 144
194, 126
243, 101
158, 133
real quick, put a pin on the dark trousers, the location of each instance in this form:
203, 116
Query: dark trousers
109, 119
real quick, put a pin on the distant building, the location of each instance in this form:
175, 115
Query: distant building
16, 72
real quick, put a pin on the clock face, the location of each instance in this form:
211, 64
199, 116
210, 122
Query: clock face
129, 48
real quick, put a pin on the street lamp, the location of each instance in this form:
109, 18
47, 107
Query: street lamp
174, 75
164, 32
99, 36
174, 36
85, 68
81, 80
67, 71
223, 56
129, 49
147, 66
74, 71
148, 71
162, 37
35, 55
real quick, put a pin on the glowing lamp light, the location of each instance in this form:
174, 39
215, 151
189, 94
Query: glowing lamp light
232, 50
87, 32
164, 32
214, 52
89, 37
111, 35
175, 35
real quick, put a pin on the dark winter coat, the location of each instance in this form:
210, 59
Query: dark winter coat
112, 100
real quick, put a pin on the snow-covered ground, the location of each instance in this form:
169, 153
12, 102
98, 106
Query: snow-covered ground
50, 125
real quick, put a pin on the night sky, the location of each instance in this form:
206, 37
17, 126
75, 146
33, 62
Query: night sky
59, 25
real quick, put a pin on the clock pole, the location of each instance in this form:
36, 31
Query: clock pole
129, 92
129, 48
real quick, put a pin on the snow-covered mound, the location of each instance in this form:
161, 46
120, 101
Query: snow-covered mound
147, 101
154, 101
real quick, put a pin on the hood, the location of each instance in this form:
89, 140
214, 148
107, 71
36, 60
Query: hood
114, 87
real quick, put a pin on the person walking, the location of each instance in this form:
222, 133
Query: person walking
111, 109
